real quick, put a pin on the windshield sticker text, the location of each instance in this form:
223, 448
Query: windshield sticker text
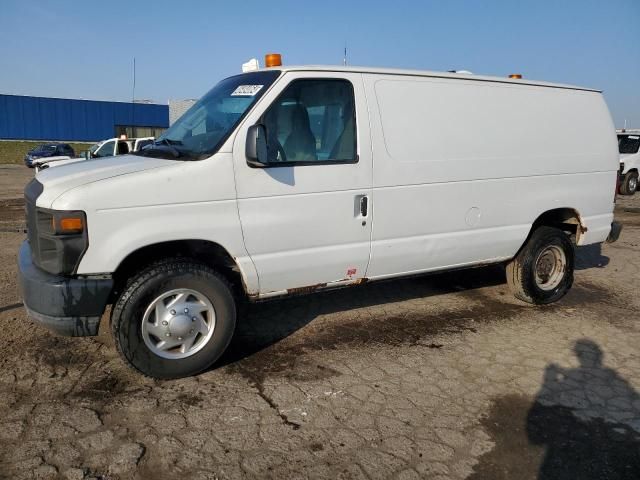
246, 90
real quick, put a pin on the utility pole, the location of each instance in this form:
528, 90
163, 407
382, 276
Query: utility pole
133, 99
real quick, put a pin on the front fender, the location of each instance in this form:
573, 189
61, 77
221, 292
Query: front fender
116, 234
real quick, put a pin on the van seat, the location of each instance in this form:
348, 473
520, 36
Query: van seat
301, 143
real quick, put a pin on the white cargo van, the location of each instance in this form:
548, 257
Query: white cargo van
291, 180
629, 148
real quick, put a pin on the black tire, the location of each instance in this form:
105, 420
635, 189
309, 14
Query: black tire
629, 183
521, 271
141, 290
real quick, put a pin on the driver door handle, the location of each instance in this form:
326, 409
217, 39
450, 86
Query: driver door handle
364, 205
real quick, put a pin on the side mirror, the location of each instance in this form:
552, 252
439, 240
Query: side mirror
256, 148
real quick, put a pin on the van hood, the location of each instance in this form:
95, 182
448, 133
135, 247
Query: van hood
59, 179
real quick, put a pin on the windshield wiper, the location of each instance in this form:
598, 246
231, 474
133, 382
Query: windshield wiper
165, 141
169, 141
163, 147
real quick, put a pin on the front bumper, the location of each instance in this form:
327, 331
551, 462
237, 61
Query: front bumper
68, 306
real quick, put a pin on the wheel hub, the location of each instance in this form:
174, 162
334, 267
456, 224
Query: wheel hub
550, 268
545, 265
178, 323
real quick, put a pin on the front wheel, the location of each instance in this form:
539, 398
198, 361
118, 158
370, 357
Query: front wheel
174, 319
629, 183
542, 272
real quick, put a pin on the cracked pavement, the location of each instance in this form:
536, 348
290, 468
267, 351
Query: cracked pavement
442, 376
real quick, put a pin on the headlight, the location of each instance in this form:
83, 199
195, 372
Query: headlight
61, 240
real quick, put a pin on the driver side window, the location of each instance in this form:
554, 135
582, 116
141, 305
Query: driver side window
312, 122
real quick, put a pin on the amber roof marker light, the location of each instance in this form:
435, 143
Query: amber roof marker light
515, 75
272, 60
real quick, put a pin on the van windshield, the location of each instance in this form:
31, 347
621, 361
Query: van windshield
628, 143
202, 130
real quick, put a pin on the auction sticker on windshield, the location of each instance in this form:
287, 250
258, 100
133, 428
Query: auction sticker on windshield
246, 90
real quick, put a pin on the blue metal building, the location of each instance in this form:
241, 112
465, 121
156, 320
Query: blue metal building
39, 118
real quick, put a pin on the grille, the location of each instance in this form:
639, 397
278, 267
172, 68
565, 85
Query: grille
31, 194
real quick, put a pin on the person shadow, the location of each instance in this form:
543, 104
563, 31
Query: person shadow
587, 419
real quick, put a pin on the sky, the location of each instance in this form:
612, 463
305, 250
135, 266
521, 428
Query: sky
85, 49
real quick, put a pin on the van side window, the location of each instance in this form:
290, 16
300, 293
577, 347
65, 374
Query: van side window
313, 121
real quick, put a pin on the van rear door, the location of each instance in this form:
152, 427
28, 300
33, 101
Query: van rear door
306, 217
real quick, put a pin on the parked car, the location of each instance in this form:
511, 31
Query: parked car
286, 181
61, 151
106, 148
629, 146
118, 146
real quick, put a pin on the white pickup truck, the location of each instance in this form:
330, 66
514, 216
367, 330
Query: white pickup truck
628, 146
106, 148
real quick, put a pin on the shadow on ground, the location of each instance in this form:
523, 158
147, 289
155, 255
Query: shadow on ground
264, 324
267, 323
579, 426
590, 256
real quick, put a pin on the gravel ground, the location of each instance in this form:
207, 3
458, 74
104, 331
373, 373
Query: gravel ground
13, 178
443, 376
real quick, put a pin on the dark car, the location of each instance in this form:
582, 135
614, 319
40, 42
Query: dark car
48, 150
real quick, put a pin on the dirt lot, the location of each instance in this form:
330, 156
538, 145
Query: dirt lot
443, 376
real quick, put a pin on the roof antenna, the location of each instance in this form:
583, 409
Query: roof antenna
344, 59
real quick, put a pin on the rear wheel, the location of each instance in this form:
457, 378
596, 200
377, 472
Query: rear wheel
542, 272
629, 183
174, 319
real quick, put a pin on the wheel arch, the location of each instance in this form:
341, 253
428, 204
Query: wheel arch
565, 218
207, 252
623, 178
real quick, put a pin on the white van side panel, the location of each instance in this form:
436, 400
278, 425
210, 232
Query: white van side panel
463, 168
183, 201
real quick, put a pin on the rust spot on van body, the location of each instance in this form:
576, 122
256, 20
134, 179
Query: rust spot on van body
336, 284
304, 290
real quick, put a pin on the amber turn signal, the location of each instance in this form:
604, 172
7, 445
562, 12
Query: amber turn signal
272, 60
70, 225
515, 75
